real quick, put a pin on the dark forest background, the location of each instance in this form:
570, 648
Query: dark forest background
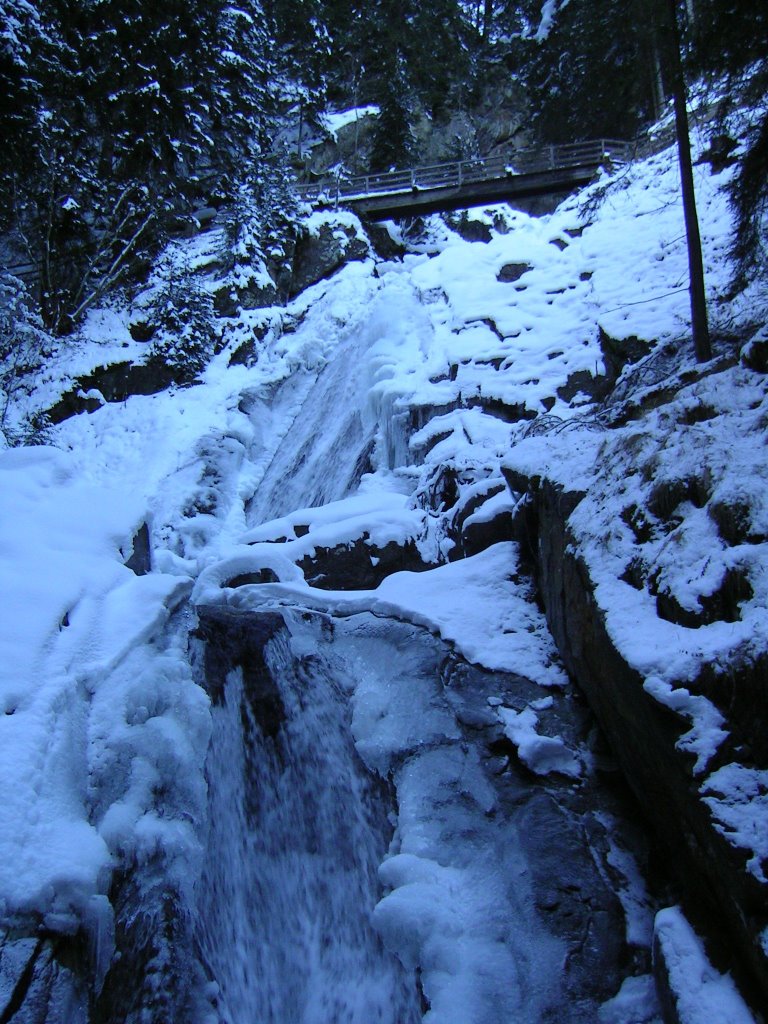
119, 119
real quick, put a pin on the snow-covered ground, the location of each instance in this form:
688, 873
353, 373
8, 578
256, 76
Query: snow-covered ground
257, 468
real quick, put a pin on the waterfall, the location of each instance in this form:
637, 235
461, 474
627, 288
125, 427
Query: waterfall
298, 828
328, 444
489, 884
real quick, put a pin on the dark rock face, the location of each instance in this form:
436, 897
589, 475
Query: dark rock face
117, 383
234, 640
513, 272
41, 981
618, 354
359, 565
317, 256
471, 230
383, 244
754, 355
721, 892
229, 300
473, 537
573, 899
140, 559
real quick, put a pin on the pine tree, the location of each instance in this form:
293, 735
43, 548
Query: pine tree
730, 44
117, 115
305, 41
20, 91
587, 71
240, 82
394, 142
144, 63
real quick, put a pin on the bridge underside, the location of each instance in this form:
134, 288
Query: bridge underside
418, 202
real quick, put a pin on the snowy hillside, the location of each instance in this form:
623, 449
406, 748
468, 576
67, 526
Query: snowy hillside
356, 493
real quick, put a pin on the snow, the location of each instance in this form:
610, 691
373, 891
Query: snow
72, 611
542, 754
738, 799
635, 1001
261, 467
700, 992
333, 122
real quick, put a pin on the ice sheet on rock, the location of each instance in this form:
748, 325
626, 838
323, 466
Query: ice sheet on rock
701, 994
460, 893
475, 604
396, 703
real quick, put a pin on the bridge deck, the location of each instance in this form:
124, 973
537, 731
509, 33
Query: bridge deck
465, 183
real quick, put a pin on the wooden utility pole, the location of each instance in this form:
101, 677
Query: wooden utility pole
701, 342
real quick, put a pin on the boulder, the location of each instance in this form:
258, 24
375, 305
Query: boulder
359, 565
321, 252
511, 272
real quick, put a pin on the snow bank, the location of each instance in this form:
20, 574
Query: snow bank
700, 994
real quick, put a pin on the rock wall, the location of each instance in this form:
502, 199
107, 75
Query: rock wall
722, 896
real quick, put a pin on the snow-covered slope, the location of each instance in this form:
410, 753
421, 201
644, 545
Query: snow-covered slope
378, 414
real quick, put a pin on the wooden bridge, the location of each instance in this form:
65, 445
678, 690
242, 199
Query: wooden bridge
465, 183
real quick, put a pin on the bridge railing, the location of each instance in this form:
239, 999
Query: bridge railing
461, 172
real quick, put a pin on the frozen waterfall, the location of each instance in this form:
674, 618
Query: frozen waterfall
298, 828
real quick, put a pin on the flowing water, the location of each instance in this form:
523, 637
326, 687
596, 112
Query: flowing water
298, 830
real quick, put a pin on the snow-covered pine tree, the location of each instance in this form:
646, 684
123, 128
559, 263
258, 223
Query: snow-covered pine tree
306, 48
118, 115
48, 172
394, 142
21, 102
241, 85
146, 63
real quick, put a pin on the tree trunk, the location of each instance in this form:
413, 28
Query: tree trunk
487, 18
701, 342
658, 91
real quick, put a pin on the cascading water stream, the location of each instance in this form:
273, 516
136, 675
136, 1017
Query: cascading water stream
302, 845
297, 825
328, 446
298, 828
